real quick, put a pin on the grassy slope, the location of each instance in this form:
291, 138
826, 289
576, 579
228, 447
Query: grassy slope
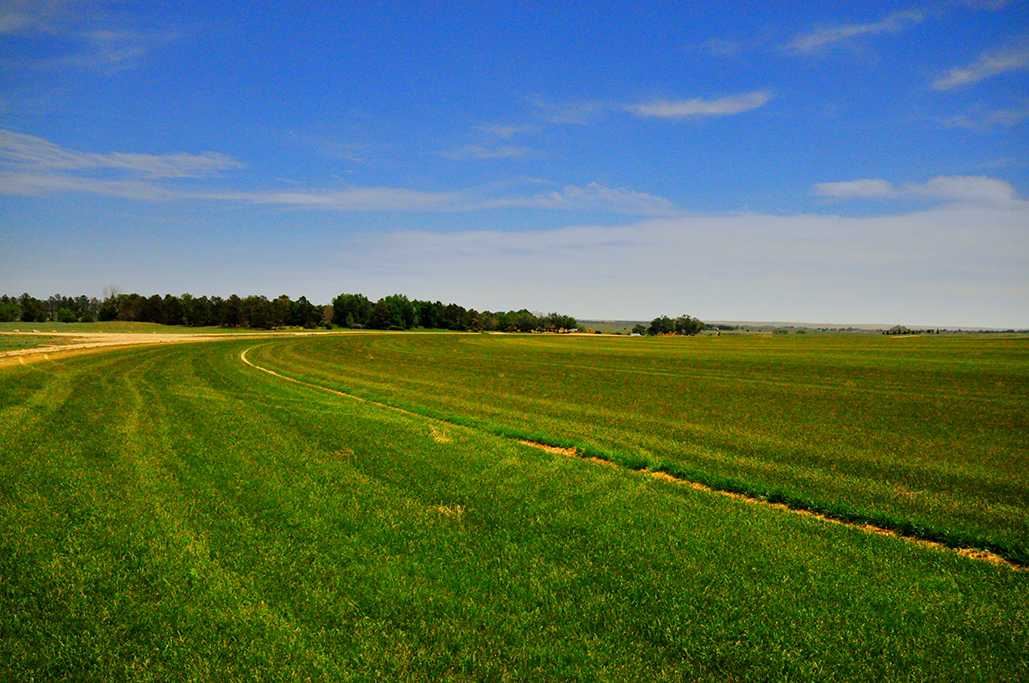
924, 434
11, 342
168, 512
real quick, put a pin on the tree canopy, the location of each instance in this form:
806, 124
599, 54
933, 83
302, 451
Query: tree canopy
393, 312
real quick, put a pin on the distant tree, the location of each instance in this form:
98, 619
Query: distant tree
661, 325
32, 309
130, 307
279, 311
171, 310
10, 310
382, 317
351, 310
305, 314
232, 312
66, 315
688, 325
153, 310
108, 309
402, 311
255, 311
639, 329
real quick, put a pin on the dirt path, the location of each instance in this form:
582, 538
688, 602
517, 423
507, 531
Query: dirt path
970, 553
99, 341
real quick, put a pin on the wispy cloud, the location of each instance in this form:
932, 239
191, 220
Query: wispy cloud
989, 64
91, 40
962, 189
722, 47
991, 5
591, 197
828, 36
505, 131
483, 152
33, 16
698, 107
29, 152
985, 120
579, 112
33, 166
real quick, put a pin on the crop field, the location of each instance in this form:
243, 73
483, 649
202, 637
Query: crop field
182, 512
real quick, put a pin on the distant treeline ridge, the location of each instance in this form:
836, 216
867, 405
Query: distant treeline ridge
394, 312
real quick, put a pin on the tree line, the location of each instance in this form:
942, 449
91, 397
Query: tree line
684, 324
394, 312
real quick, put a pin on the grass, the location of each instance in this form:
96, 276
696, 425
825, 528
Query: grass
168, 512
13, 342
116, 327
924, 434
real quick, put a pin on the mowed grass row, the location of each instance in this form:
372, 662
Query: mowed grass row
926, 435
171, 513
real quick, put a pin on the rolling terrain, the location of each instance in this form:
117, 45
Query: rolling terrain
180, 511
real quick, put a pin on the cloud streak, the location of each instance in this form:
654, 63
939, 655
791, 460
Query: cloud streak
984, 120
33, 166
988, 65
28, 151
97, 45
961, 189
826, 37
486, 152
699, 107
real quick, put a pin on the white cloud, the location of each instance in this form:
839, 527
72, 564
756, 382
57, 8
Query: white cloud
699, 107
34, 153
831, 35
95, 42
962, 189
989, 64
505, 131
863, 188
590, 197
487, 152
33, 166
984, 120
954, 264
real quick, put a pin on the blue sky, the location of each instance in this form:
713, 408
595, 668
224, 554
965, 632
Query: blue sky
858, 162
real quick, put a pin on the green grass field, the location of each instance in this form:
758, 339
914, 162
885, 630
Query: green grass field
923, 434
169, 512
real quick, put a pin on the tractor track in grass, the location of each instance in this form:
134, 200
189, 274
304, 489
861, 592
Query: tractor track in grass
573, 452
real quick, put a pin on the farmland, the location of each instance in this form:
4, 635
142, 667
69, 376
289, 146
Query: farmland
175, 512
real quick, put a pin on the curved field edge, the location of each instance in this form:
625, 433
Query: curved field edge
918, 527
166, 512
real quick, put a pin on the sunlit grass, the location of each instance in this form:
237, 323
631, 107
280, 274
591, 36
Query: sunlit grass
171, 513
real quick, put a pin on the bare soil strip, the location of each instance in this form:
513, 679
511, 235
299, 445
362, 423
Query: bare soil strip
970, 553
91, 342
